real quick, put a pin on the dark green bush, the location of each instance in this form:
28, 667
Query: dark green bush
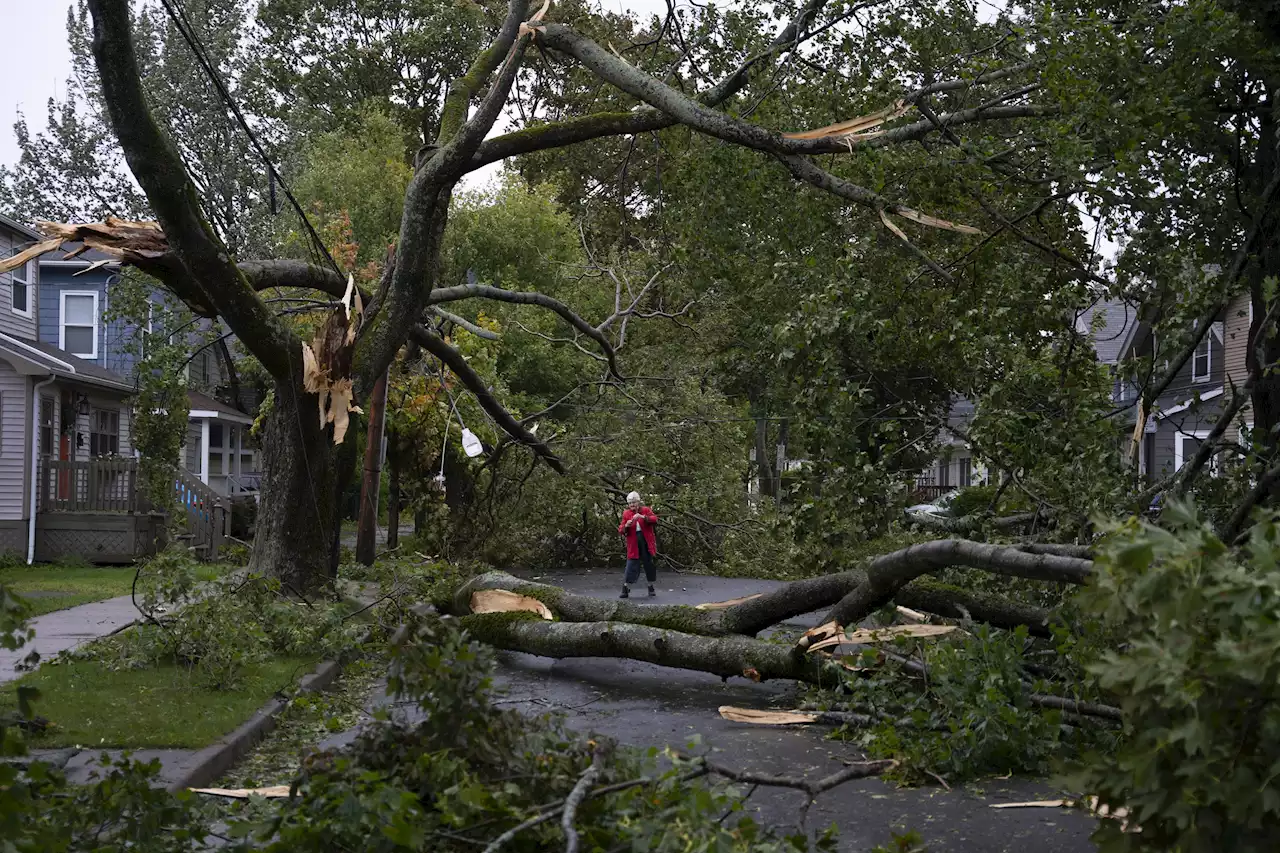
1197, 673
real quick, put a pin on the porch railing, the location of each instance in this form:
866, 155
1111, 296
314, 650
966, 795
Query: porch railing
208, 521
94, 485
926, 492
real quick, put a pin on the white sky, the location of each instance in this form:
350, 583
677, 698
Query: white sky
37, 66
39, 61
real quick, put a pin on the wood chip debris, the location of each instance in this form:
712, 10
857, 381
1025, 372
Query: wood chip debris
505, 601
271, 792
871, 636
767, 718
1089, 804
725, 605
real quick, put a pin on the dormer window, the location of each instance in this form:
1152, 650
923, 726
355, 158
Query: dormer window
23, 289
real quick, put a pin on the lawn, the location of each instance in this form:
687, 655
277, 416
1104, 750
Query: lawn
164, 707
52, 587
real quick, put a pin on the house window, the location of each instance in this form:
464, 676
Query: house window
104, 432
966, 472
1202, 361
78, 329
23, 279
944, 473
1185, 446
46, 426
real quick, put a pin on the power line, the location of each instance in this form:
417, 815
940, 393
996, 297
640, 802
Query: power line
185, 28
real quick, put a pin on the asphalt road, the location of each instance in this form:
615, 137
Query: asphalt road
644, 705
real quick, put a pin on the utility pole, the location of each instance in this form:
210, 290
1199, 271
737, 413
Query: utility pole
367, 525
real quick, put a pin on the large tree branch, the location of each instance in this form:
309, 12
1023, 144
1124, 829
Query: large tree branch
887, 574
689, 112
454, 360
163, 177
467, 291
642, 119
426, 208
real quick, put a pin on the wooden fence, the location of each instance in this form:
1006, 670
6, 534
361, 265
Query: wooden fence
94, 485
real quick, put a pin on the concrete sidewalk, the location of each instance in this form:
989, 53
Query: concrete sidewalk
65, 629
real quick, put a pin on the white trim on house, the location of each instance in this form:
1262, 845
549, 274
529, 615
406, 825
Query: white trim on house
1179, 457
204, 451
202, 414
30, 282
62, 322
1182, 407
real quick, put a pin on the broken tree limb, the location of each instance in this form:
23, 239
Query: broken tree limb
758, 613
887, 574
1073, 706
723, 656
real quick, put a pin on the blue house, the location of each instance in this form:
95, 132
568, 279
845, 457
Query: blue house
74, 315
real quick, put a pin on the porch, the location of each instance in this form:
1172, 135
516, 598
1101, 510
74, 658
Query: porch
92, 508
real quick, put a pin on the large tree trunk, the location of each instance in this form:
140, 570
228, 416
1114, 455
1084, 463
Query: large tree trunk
302, 477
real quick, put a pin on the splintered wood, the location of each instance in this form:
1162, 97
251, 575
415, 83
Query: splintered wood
725, 605
272, 792
883, 635
505, 601
829, 635
122, 239
326, 364
767, 718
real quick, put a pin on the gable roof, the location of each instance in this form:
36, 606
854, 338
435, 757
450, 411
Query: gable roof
24, 230
1119, 321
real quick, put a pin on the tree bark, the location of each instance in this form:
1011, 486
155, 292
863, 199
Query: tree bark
371, 482
297, 529
757, 614
722, 656
393, 493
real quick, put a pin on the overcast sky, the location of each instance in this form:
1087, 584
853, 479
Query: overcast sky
38, 61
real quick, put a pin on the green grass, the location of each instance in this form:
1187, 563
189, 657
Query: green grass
163, 707
59, 587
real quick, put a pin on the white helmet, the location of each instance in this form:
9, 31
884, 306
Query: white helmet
634, 496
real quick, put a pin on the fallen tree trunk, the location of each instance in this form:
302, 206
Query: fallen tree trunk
726, 657
723, 656
757, 613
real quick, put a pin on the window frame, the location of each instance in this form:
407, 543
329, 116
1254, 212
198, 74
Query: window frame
1207, 343
45, 448
28, 283
95, 443
62, 323
1181, 458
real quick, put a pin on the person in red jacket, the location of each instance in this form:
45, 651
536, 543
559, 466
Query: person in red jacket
638, 527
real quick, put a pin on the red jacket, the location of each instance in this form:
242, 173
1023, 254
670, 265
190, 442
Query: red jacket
648, 521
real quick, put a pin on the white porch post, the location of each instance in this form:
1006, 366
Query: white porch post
204, 451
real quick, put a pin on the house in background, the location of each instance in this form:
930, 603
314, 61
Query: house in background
1183, 416
75, 296
67, 472
955, 466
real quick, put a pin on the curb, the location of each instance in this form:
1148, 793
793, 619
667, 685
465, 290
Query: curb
210, 763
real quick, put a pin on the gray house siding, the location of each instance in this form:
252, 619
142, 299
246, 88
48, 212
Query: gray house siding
12, 241
15, 433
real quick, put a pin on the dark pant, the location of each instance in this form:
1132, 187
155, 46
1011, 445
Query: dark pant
633, 566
